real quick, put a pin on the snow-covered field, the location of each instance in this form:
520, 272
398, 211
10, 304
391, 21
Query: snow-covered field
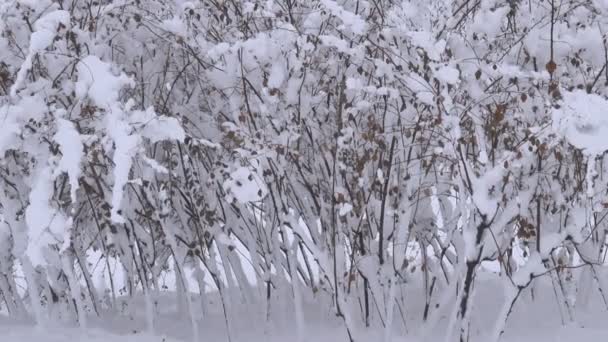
26, 333
533, 320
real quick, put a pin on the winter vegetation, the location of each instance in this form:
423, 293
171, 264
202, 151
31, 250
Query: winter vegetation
309, 170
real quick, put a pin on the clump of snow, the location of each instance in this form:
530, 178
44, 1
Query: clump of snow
45, 30
14, 116
349, 20
154, 165
340, 44
46, 225
345, 208
582, 120
448, 74
421, 88
157, 127
423, 39
175, 25
126, 147
277, 75
481, 195
245, 185
225, 239
577, 221
10, 128
97, 81
489, 21
72, 151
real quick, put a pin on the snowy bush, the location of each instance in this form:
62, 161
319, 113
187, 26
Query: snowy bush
278, 153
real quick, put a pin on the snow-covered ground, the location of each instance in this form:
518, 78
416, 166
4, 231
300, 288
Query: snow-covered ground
28, 333
537, 319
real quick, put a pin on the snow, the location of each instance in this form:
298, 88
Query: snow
72, 151
154, 165
97, 81
126, 147
448, 74
245, 185
46, 225
532, 267
26, 333
524, 324
549, 241
156, 127
225, 239
350, 20
582, 121
421, 89
277, 77
340, 44
45, 30
175, 25
481, 195
345, 208
489, 21
35, 3
12, 118
278, 119
434, 48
